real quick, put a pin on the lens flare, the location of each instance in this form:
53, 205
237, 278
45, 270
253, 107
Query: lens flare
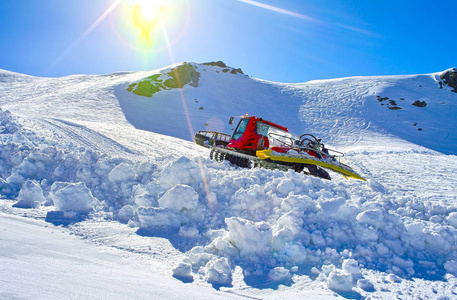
137, 23
145, 16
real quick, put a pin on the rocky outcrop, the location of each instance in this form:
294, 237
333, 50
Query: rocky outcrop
220, 64
419, 103
449, 77
182, 75
176, 78
225, 69
392, 104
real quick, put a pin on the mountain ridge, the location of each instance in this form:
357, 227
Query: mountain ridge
345, 112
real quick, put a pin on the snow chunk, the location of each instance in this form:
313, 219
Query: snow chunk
285, 187
30, 195
183, 170
147, 196
351, 266
282, 237
252, 201
452, 219
157, 216
126, 213
371, 217
437, 241
327, 269
317, 239
122, 173
365, 285
382, 250
290, 220
219, 272
339, 281
415, 235
451, 266
249, 237
183, 270
75, 197
332, 206
180, 197
279, 274
393, 278
223, 247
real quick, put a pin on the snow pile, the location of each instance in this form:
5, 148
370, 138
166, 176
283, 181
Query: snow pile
38, 173
281, 220
270, 223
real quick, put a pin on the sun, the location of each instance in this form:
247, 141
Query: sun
145, 16
148, 9
150, 25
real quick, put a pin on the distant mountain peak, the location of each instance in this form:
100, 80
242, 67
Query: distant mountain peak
176, 76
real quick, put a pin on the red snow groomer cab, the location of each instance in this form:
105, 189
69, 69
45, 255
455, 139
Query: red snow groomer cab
251, 134
256, 142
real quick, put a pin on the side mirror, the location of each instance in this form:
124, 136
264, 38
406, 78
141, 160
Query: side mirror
231, 121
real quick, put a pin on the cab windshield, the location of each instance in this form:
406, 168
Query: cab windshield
240, 129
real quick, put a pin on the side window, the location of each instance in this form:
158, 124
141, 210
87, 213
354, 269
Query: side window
278, 137
262, 129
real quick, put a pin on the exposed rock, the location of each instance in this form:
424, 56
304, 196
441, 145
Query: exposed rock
223, 65
234, 71
177, 78
392, 103
215, 64
147, 87
420, 103
450, 78
182, 75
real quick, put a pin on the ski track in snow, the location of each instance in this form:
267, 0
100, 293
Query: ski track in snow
85, 137
250, 233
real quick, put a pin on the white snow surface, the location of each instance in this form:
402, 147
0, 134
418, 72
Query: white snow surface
104, 196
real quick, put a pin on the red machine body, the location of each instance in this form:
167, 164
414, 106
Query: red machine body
251, 134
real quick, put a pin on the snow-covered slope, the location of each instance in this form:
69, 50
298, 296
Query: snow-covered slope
119, 170
362, 111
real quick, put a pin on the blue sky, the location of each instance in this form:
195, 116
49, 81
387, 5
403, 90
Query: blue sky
283, 41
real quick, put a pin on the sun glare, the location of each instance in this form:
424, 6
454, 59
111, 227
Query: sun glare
145, 15
148, 9
150, 25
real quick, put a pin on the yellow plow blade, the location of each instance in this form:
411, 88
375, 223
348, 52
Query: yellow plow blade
336, 166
